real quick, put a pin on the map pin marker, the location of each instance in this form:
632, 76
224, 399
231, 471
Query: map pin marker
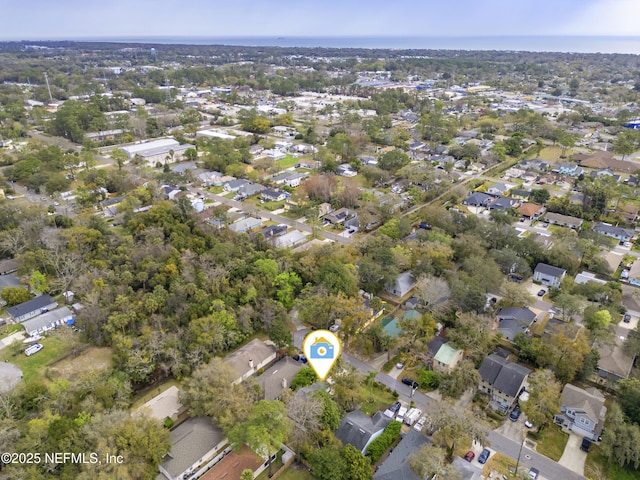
322, 348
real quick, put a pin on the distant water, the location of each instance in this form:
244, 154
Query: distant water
583, 44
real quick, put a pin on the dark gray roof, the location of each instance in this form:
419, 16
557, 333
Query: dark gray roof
612, 230
8, 265
510, 328
519, 192
467, 470
190, 441
30, 306
434, 345
502, 374
550, 270
357, 428
477, 198
8, 281
516, 313
396, 466
502, 203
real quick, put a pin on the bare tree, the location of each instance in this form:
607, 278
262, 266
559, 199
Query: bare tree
433, 293
305, 411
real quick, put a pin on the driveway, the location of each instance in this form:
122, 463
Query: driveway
573, 458
513, 430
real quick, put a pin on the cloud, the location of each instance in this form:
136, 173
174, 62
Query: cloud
605, 17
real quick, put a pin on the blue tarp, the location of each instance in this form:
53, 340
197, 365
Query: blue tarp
71, 321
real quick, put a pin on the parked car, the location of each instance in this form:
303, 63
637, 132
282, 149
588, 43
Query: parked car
303, 359
542, 293
484, 456
410, 382
400, 365
296, 357
469, 456
626, 318
335, 327
528, 424
420, 424
586, 444
533, 473
33, 349
515, 414
395, 407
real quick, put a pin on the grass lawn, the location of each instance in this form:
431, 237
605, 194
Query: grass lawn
275, 466
381, 399
551, 442
598, 467
294, 474
498, 463
288, 162
32, 367
552, 154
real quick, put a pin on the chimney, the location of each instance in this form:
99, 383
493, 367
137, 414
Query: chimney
250, 363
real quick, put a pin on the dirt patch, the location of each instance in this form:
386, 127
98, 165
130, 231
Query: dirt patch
93, 358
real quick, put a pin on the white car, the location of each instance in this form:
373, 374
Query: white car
335, 327
420, 424
33, 349
528, 424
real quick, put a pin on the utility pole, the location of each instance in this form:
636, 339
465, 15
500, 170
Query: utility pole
519, 453
46, 78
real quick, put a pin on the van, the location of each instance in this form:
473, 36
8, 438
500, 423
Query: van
33, 349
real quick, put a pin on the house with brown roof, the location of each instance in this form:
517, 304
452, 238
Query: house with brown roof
563, 220
603, 160
531, 210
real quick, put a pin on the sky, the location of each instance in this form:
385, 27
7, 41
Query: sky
77, 19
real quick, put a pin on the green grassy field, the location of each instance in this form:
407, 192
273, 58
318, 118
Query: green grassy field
551, 442
597, 466
55, 347
381, 399
552, 154
294, 474
288, 162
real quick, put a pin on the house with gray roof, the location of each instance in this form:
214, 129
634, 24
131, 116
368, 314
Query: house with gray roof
251, 189
235, 185
8, 281
499, 188
8, 266
503, 203
622, 234
31, 308
477, 199
359, 429
250, 358
48, 321
582, 411
402, 285
502, 380
245, 225
467, 470
563, 220
549, 275
396, 466
514, 320
194, 442
290, 239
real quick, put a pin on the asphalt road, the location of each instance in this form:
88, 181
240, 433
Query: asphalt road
497, 442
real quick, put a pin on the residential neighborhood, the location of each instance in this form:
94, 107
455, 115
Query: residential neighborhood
176, 220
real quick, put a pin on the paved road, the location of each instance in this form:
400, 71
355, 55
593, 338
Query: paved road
276, 218
498, 442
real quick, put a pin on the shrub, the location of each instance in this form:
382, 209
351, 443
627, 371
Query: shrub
376, 449
428, 378
168, 423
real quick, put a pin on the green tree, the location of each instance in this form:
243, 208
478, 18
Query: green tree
15, 295
266, 429
327, 464
38, 283
457, 382
358, 466
287, 284
305, 377
247, 474
120, 157
431, 462
393, 160
453, 426
544, 398
629, 397
330, 416
599, 321
620, 439
540, 195
280, 334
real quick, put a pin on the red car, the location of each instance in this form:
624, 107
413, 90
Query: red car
469, 456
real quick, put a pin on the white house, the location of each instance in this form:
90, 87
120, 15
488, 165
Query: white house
549, 275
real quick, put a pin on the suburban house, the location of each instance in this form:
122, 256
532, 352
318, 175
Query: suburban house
245, 225
164, 405
235, 185
499, 189
251, 189
585, 277
447, 358
181, 168
294, 179
309, 164
8, 266
606, 160
359, 429
290, 239
582, 411
31, 308
194, 443
274, 154
278, 377
514, 320
250, 358
48, 321
339, 216
563, 220
273, 195
477, 199
502, 380
531, 210
570, 169
549, 275
207, 179
273, 230
520, 193
503, 203
614, 364
396, 465
622, 234
402, 285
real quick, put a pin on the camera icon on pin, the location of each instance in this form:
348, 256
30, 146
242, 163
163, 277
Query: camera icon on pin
321, 349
